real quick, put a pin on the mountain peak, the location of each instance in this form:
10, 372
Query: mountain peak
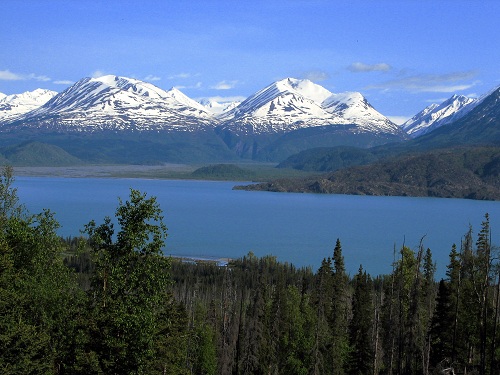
131, 85
292, 103
218, 108
437, 115
118, 104
15, 105
304, 87
179, 100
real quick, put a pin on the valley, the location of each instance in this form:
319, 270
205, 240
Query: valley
122, 127
240, 171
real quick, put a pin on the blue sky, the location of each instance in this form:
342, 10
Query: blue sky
401, 55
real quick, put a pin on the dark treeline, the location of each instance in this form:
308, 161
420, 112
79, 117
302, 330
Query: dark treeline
267, 317
110, 303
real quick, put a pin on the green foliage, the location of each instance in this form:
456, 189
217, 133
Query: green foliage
34, 153
203, 345
361, 327
442, 330
340, 311
39, 297
128, 294
328, 159
299, 140
450, 173
223, 172
255, 316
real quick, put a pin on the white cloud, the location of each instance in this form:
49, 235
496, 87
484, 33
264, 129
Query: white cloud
38, 78
7, 75
152, 78
63, 82
359, 67
225, 85
444, 88
316, 75
442, 83
198, 85
183, 76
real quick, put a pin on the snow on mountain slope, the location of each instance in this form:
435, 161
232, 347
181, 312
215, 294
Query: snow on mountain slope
279, 107
353, 107
118, 103
15, 105
217, 108
281, 98
291, 104
435, 116
309, 89
177, 100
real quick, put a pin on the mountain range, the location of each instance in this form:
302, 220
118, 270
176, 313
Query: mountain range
119, 103
437, 115
12, 106
119, 119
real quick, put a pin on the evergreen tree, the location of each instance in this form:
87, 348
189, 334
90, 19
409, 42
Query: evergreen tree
442, 329
322, 298
204, 347
360, 328
453, 274
426, 310
128, 296
483, 283
39, 296
339, 312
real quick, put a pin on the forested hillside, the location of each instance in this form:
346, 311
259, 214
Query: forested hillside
465, 172
110, 303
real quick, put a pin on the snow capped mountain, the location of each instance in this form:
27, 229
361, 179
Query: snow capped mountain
118, 103
291, 104
15, 105
180, 102
307, 88
283, 118
280, 100
353, 107
437, 115
217, 108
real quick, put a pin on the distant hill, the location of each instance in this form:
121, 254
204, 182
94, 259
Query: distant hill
223, 172
339, 135
327, 159
472, 173
37, 154
479, 127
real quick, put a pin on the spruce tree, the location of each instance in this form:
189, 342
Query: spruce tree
442, 329
339, 312
360, 328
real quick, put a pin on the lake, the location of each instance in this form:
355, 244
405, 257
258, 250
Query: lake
207, 219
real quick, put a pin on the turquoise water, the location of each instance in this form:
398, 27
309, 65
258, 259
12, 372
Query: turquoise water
209, 219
